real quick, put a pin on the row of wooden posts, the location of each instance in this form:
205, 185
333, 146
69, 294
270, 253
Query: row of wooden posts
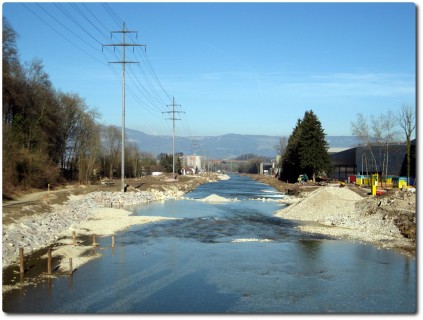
49, 258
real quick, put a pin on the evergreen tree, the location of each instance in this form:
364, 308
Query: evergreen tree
166, 161
312, 147
290, 163
306, 151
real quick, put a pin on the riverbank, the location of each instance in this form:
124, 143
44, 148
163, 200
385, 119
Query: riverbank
387, 221
96, 213
343, 214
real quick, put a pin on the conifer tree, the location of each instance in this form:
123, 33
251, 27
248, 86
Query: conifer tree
290, 163
307, 150
312, 146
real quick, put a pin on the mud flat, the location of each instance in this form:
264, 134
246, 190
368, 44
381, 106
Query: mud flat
342, 213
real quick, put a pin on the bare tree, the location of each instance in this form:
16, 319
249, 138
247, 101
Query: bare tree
407, 121
132, 159
45, 132
91, 152
281, 148
361, 129
113, 145
385, 132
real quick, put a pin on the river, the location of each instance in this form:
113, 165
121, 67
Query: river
227, 257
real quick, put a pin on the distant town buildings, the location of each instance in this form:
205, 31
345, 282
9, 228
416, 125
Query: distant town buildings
191, 164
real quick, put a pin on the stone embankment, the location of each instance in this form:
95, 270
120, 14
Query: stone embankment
42, 230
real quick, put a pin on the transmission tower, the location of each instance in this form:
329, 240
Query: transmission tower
195, 146
124, 62
173, 105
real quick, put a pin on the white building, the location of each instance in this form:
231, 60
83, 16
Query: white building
191, 161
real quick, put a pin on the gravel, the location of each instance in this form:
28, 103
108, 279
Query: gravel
342, 213
338, 212
42, 230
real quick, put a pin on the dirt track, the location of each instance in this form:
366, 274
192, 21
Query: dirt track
43, 201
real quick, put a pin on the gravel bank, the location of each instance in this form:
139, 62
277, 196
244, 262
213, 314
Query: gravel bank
342, 213
99, 213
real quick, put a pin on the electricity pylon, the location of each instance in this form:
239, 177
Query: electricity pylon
173, 119
123, 62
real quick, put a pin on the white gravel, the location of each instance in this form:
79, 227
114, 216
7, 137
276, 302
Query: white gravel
94, 213
332, 211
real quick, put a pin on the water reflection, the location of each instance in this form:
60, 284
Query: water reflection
310, 248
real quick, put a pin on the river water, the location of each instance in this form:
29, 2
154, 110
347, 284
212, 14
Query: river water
227, 257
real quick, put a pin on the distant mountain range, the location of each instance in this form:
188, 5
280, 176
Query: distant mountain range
226, 146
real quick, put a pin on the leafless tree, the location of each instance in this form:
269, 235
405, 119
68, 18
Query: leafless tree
281, 148
112, 144
132, 159
360, 128
407, 121
385, 133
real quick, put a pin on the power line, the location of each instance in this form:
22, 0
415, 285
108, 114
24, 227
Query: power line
151, 69
144, 57
95, 17
112, 14
70, 17
59, 33
54, 18
152, 93
173, 119
81, 12
124, 31
144, 86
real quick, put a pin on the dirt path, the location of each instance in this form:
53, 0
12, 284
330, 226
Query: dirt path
32, 197
33, 203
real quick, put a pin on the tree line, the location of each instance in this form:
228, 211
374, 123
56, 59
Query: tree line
306, 150
251, 163
383, 131
51, 136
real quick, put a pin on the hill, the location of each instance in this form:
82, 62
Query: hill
226, 146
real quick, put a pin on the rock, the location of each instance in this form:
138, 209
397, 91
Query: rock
43, 230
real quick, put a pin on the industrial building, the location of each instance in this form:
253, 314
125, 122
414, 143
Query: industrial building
360, 161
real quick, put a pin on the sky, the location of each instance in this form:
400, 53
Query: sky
244, 68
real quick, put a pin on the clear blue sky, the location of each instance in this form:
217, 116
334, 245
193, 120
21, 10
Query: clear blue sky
248, 68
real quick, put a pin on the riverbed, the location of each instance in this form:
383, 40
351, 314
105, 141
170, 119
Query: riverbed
229, 255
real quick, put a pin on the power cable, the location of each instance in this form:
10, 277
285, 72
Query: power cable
53, 17
59, 33
109, 11
70, 17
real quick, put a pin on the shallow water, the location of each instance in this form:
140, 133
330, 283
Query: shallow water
229, 257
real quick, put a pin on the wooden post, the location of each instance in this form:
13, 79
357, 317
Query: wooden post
70, 266
21, 284
49, 261
113, 241
21, 260
94, 243
74, 238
